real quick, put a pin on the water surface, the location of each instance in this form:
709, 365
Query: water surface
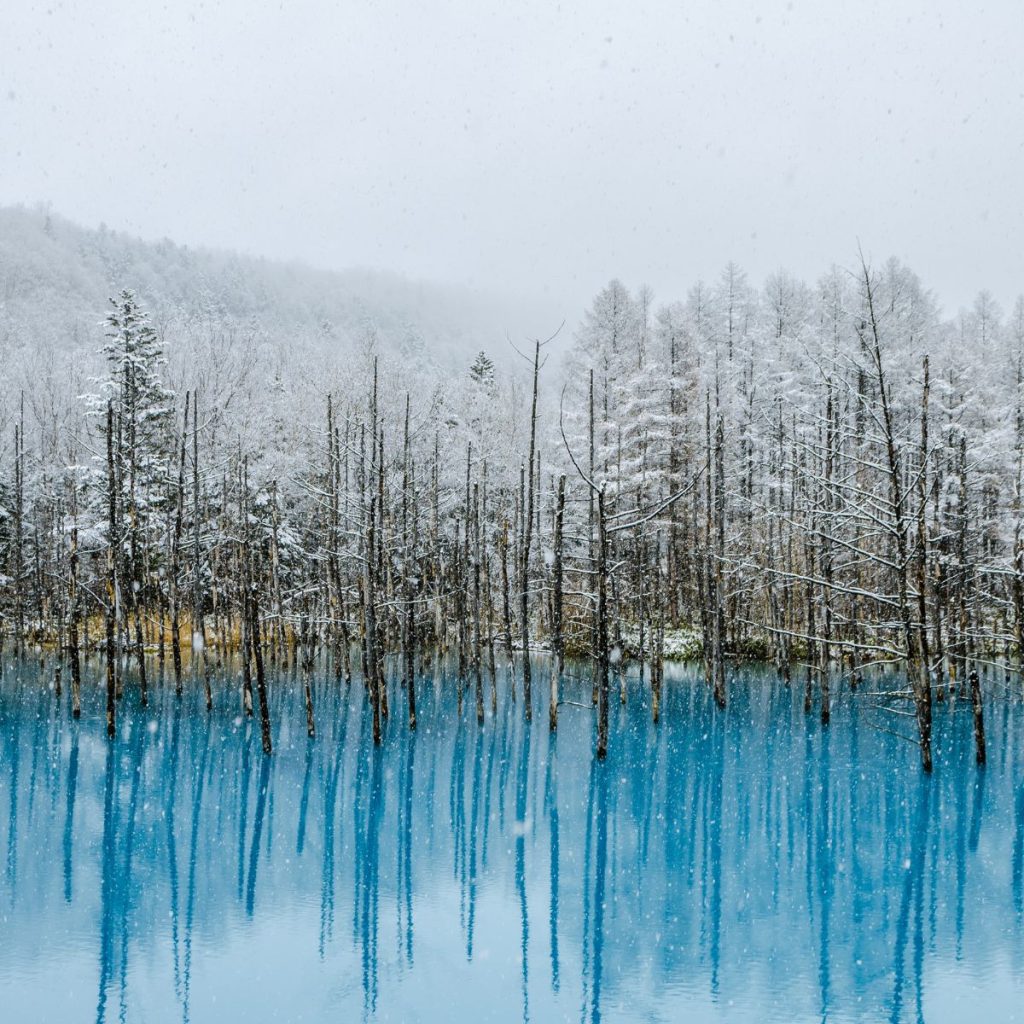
739, 866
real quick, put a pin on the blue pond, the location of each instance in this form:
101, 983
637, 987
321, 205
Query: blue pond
739, 866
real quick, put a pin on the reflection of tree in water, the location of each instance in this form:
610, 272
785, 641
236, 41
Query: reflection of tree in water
551, 806
522, 826
69, 817
1018, 854
117, 887
193, 848
702, 851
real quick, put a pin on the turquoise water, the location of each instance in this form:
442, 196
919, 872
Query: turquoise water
739, 866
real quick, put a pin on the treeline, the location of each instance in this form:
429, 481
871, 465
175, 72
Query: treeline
825, 477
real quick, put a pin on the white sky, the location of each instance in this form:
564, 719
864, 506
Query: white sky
537, 147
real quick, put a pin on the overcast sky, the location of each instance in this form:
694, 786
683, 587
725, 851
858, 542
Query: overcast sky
538, 147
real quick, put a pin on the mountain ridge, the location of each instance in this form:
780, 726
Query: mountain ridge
56, 277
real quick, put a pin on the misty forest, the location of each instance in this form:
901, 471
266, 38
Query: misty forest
826, 478
680, 613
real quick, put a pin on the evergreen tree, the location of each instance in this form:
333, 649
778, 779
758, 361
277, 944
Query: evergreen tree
142, 404
481, 372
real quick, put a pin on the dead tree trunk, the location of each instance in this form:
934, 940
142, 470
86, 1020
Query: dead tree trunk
919, 678
111, 608
307, 676
74, 609
602, 628
172, 583
198, 627
557, 640
478, 676
255, 634
524, 593
979, 719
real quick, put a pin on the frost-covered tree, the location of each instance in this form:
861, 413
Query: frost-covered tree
481, 373
142, 404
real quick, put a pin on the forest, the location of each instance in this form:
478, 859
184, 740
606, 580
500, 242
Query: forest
822, 476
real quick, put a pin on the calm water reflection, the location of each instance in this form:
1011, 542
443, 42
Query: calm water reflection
743, 866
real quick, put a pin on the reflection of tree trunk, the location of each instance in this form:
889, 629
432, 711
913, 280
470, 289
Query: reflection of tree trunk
108, 883
193, 857
171, 775
123, 886
600, 871
330, 814
826, 878
522, 782
257, 835
911, 899
243, 813
474, 829
408, 837
1017, 869
369, 884
713, 825
69, 817
588, 852
492, 754
553, 857
307, 778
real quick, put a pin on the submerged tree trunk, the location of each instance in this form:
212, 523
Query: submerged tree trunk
307, 677
979, 718
261, 680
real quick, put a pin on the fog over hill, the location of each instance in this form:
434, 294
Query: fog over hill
56, 277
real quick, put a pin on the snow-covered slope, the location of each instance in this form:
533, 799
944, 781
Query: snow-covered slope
56, 276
